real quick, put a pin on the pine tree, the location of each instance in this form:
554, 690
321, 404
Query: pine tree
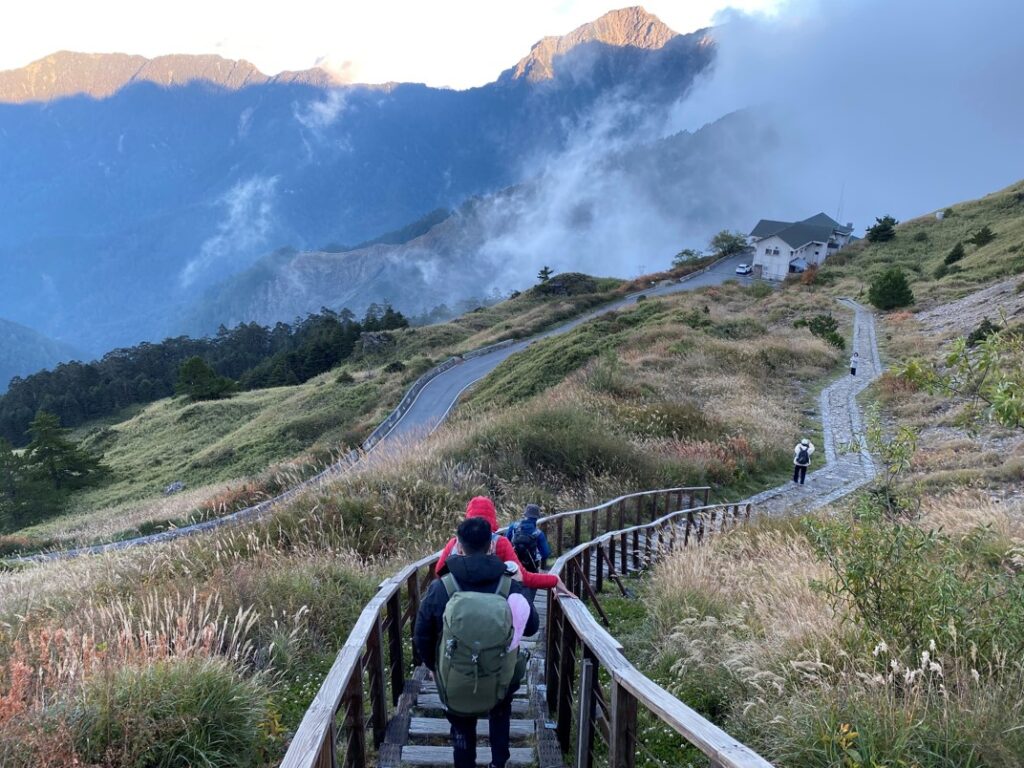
53, 458
545, 274
883, 230
983, 236
890, 290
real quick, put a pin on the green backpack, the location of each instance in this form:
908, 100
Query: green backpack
475, 669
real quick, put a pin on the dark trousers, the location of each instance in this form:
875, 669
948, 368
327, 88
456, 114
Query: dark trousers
464, 735
799, 473
853, 371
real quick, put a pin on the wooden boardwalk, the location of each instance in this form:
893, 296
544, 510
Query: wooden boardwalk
418, 734
583, 701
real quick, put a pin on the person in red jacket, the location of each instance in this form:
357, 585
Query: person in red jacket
481, 506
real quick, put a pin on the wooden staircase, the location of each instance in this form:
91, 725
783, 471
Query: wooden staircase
418, 733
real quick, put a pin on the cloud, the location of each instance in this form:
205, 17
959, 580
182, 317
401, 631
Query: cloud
856, 109
318, 115
247, 223
894, 107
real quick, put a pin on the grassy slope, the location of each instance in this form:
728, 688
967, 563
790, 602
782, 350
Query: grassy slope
922, 243
207, 445
668, 399
741, 632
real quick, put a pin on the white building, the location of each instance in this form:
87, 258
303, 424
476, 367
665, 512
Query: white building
784, 247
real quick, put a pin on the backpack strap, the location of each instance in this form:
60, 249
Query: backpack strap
504, 586
451, 586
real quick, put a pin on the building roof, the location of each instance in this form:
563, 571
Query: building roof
768, 227
816, 229
801, 233
825, 220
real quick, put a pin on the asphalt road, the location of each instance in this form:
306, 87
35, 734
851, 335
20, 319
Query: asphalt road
429, 410
442, 392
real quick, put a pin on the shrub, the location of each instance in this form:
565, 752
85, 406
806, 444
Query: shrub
345, 378
940, 271
983, 236
954, 255
188, 711
890, 290
396, 366
985, 329
921, 237
825, 327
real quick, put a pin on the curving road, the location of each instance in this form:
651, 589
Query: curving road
442, 392
430, 408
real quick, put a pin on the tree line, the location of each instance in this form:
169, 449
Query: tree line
250, 354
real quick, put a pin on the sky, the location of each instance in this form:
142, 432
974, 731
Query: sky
455, 43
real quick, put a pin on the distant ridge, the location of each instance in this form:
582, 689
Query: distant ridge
68, 73
630, 27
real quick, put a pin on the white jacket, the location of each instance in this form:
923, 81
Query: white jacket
854, 361
796, 453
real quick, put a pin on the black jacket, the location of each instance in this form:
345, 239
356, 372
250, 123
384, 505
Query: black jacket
474, 573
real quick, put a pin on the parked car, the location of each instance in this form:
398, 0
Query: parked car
744, 269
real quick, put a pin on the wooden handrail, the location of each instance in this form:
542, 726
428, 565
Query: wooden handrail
344, 690
571, 624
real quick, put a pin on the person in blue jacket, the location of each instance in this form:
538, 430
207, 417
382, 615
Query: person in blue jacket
529, 541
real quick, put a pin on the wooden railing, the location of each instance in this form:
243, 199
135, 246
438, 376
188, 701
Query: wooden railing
579, 649
354, 704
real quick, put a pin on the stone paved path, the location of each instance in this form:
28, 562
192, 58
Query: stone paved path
845, 470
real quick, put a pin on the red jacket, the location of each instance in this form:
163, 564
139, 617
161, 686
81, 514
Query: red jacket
481, 506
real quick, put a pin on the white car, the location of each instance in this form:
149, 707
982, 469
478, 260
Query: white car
744, 269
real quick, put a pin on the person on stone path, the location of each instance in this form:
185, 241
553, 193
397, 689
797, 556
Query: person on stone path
465, 622
853, 364
802, 460
483, 507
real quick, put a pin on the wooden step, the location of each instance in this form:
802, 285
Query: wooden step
431, 727
431, 702
443, 756
431, 688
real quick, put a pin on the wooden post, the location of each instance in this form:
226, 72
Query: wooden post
413, 585
707, 496
600, 567
623, 554
689, 525
636, 547
553, 634
622, 744
395, 650
639, 510
327, 757
586, 566
622, 514
576, 530
566, 675
585, 723
654, 507
714, 517
355, 726
558, 534
593, 524
608, 519
378, 683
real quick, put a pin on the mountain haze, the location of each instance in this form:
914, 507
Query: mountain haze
24, 351
131, 186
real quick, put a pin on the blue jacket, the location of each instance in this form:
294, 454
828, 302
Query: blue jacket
530, 525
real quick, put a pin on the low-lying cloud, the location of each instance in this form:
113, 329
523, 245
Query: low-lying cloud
247, 223
856, 109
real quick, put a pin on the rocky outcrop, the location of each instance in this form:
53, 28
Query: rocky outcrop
628, 27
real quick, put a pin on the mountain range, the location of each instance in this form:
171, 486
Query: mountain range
142, 196
24, 351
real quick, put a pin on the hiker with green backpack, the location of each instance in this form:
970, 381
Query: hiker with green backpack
464, 634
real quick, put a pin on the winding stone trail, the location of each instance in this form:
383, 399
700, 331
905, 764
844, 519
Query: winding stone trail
848, 464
